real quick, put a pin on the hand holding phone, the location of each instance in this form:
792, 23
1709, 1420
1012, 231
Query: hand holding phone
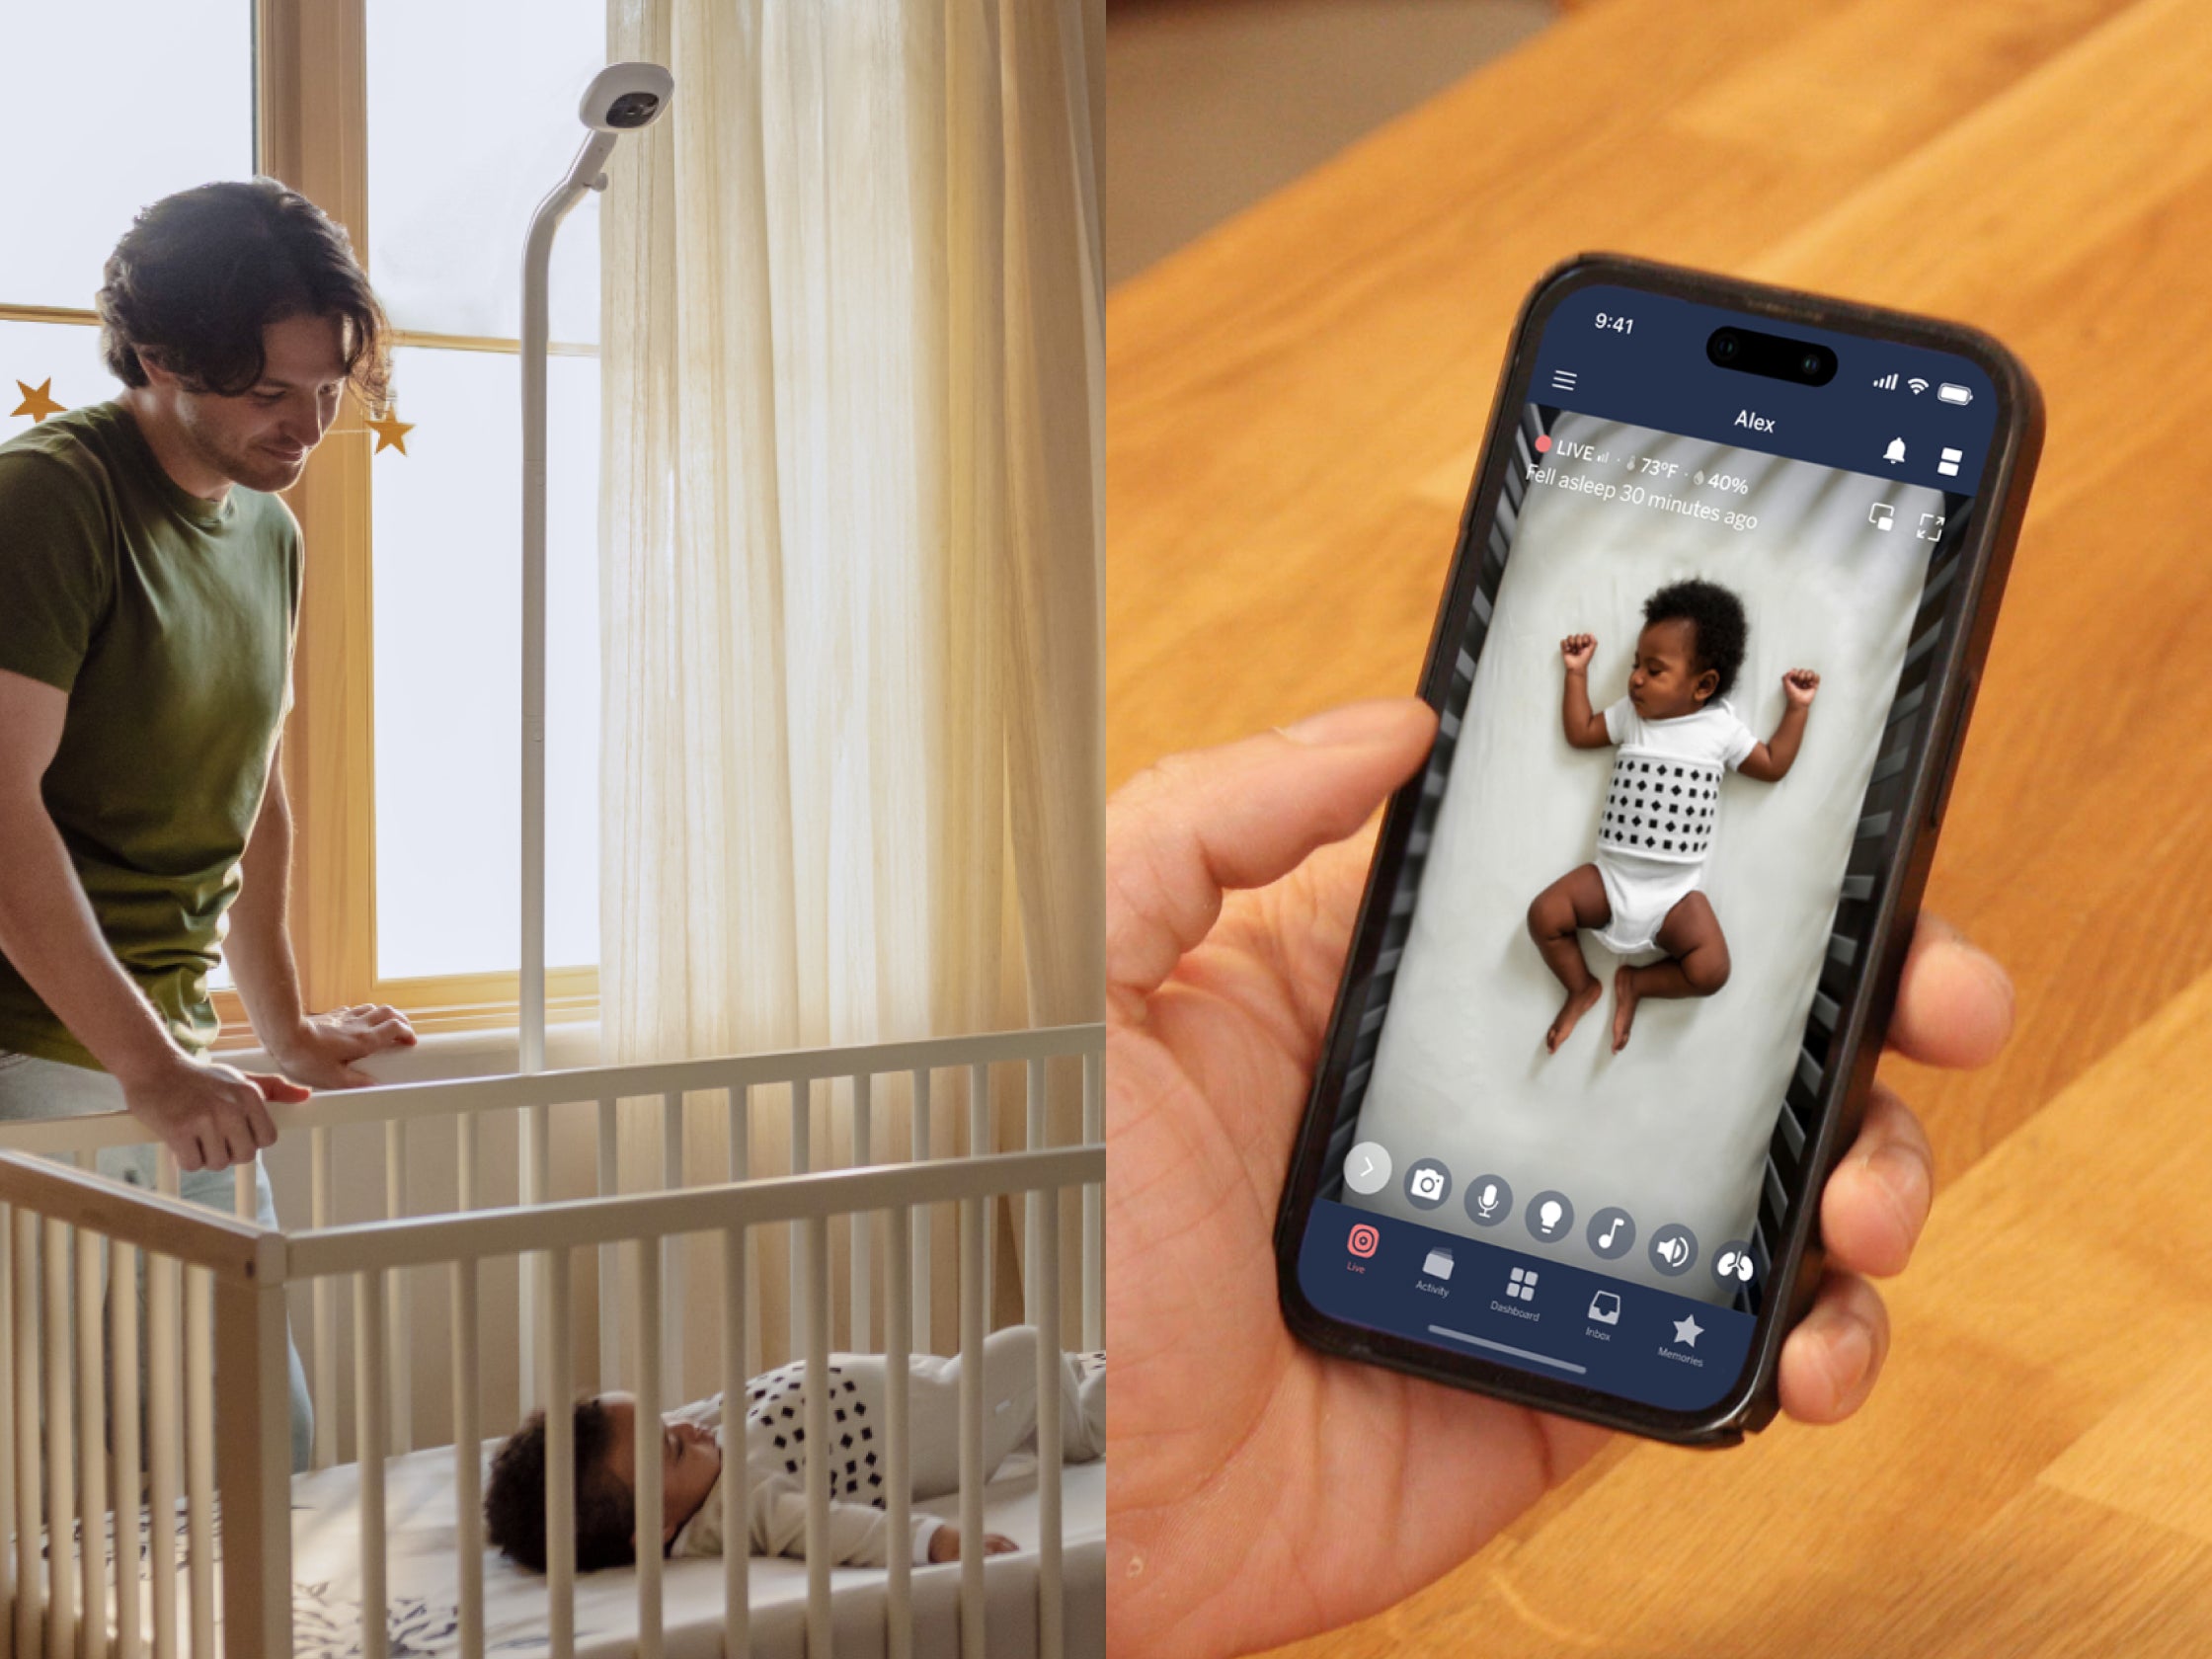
1264, 1491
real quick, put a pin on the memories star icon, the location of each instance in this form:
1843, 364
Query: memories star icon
1687, 1331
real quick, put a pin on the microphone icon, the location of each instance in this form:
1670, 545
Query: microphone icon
1487, 1203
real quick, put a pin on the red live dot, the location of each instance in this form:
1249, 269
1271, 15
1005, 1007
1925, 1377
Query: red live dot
1544, 442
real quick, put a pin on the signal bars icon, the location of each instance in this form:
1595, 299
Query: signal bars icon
1887, 383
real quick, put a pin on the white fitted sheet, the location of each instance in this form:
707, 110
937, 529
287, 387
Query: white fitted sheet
423, 1582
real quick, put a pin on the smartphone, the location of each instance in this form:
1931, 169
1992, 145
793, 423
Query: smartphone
1724, 585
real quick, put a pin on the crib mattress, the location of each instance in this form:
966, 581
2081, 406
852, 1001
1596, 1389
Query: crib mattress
423, 1585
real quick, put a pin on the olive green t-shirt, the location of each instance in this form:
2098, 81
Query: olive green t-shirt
169, 621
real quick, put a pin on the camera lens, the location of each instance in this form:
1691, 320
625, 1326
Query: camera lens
1809, 365
632, 108
1725, 345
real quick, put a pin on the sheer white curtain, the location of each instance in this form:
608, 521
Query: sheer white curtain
852, 766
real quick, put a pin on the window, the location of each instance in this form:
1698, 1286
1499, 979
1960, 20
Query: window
401, 757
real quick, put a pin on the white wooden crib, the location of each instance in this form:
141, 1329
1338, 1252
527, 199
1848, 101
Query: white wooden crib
218, 1575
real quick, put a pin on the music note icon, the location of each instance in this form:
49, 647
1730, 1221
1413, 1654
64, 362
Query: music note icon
1612, 1232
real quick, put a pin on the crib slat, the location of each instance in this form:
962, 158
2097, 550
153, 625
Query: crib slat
644, 1287
256, 1467
1052, 1628
673, 1250
369, 1451
533, 1182
560, 1462
31, 1598
1035, 1139
325, 1294
243, 1195
92, 1450
860, 1242
817, 1417
200, 1456
610, 1179
736, 1555
802, 1160
979, 1143
468, 1158
61, 1472
162, 1378
1094, 1206
122, 1424
740, 1170
468, 1464
398, 1308
919, 1142
973, 1213
898, 1342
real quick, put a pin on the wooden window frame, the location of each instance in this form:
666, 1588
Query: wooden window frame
312, 54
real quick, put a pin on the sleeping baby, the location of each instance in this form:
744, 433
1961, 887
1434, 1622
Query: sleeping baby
1676, 732
691, 1451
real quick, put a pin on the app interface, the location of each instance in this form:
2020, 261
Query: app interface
1640, 881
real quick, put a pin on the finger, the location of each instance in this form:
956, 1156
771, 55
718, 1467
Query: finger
273, 1087
207, 1151
188, 1151
1954, 1002
238, 1140
1242, 816
259, 1123
1876, 1203
1830, 1362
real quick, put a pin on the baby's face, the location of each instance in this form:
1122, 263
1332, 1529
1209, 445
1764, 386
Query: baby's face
1664, 683
691, 1462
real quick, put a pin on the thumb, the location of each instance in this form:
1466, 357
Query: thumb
278, 1089
1196, 826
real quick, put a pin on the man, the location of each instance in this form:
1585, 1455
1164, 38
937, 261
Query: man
150, 596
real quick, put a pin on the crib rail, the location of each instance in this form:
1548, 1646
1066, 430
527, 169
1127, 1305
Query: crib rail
223, 1281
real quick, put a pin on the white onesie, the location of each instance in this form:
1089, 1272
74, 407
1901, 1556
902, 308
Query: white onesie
1660, 812
775, 1449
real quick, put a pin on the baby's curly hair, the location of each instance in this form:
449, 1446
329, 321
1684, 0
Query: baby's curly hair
1716, 620
514, 1495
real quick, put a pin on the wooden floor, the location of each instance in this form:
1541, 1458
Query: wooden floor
1293, 410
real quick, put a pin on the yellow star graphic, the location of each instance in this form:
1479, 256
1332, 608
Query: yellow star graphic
391, 432
36, 404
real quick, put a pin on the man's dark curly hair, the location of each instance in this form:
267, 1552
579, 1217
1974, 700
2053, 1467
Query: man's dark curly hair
199, 274
514, 1495
1717, 623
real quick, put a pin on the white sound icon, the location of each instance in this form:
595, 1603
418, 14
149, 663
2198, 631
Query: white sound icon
1674, 1251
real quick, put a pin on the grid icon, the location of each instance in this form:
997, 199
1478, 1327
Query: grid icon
1522, 1283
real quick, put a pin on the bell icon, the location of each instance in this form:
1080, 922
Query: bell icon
1895, 452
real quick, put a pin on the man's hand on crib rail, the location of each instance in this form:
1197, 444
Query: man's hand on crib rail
320, 1051
211, 1116
1259, 1491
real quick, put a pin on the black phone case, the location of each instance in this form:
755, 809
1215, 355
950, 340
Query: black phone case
1985, 558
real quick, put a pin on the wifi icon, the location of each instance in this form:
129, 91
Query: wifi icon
1917, 385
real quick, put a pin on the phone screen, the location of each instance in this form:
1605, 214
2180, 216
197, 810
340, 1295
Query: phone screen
1762, 562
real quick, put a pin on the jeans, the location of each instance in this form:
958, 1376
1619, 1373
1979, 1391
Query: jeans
30, 1088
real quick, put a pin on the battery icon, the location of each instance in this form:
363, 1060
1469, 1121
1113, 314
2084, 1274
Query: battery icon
1949, 393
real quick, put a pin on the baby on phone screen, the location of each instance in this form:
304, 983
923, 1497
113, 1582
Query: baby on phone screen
1676, 733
